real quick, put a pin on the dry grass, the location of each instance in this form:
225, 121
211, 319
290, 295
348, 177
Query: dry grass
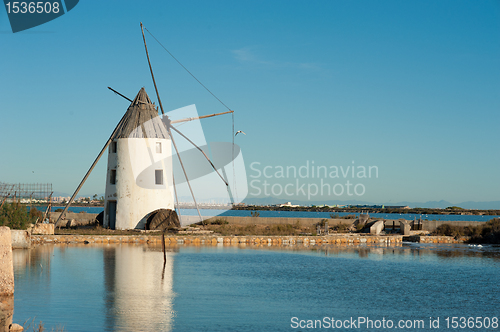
39, 327
280, 229
271, 230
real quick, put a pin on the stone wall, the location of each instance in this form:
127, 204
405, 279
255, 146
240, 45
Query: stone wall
338, 239
21, 239
431, 225
47, 229
79, 218
434, 239
6, 267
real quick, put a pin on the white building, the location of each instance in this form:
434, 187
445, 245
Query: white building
139, 174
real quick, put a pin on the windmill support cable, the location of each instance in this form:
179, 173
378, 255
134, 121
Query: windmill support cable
151, 69
232, 160
197, 80
208, 159
91, 169
185, 174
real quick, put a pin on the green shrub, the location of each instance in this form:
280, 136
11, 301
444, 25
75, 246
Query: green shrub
15, 216
322, 223
341, 228
36, 215
219, 221
489, 232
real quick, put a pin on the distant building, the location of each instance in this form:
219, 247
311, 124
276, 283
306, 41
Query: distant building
368, 206
395, 207
287, 204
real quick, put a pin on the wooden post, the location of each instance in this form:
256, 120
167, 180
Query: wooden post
151, 69
47, 212
163, 248
110, 139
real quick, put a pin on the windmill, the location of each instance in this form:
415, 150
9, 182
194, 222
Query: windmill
140, 172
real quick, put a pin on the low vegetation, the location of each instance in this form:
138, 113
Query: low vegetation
264, 230
489, 232
255, 214
338, 216
39, 327
16, 216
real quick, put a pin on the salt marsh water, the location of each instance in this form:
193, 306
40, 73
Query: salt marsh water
126, 288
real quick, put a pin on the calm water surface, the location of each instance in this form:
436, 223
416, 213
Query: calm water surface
126, 288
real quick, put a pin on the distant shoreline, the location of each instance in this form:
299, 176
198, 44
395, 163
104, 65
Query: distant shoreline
333, 210
372, 210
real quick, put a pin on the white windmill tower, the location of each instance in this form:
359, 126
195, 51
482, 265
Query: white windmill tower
140, 172
134, 189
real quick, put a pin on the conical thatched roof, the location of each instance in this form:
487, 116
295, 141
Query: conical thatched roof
141, 120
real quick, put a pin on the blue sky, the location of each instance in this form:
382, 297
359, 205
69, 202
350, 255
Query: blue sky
412, 87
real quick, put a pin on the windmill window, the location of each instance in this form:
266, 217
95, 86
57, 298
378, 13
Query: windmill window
158, 176
158, 147
112, 176
113, 147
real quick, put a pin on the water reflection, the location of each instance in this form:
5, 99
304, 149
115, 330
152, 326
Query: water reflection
378, 251
137, 297
134, 283
128, 287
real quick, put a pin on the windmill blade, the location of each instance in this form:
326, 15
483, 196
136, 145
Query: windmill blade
185, 174
196, 146
201, 117
130, 100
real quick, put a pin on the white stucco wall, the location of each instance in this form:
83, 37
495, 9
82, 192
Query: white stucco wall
135, 191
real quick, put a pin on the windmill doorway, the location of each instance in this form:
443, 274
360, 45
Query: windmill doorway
112, 214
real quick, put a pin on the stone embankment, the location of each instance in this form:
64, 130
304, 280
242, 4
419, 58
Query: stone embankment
434, 239
339, 239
